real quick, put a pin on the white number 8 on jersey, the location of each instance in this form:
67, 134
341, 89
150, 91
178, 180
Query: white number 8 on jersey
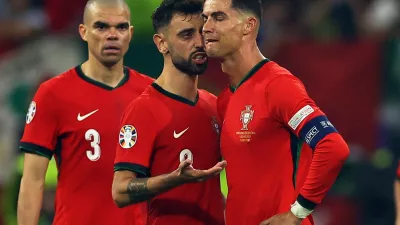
185, 154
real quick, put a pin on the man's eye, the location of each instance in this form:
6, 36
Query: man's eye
219, 18
123, 27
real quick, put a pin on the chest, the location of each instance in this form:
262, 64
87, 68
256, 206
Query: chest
249, 125
189, 133
89, 114
246, 118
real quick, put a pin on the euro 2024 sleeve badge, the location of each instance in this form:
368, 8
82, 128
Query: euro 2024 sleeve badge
31, 112
127, 136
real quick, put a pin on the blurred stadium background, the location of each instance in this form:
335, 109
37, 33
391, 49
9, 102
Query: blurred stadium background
347, 53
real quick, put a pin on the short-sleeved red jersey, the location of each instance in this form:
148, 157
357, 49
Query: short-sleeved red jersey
263, 120
158, 131
76, 118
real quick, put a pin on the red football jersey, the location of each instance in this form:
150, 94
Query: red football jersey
398, 170
76, 118
158, 131
263, 120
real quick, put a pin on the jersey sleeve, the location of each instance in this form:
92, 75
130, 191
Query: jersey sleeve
41, 128
290, 104
136, 140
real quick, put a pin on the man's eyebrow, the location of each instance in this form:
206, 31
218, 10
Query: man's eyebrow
100, 23
186, 30
218, 13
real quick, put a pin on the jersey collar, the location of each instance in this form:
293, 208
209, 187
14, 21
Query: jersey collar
82, 75
249, 74
174, 96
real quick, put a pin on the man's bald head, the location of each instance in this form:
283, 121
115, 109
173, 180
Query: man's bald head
106, 29
93, 5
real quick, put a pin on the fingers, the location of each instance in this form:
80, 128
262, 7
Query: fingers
221, 164
185, 164
185, 167
215, 170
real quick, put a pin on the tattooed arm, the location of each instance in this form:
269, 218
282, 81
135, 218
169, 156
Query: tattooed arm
127, 189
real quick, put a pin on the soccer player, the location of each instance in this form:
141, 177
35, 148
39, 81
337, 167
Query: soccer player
397, 194
74, 117
265, 111
168, 140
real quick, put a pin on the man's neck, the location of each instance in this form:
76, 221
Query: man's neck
110, 76
177, 82
239, 64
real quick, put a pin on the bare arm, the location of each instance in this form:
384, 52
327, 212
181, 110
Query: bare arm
31, 189
397, 199
128, 189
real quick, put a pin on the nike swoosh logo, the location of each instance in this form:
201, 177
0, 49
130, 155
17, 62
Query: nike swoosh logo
180, 134
80, 118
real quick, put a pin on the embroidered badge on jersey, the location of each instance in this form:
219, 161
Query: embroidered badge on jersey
246, 116
295, 121
127, 136
31, 112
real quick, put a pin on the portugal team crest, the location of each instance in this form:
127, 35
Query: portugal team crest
127, 136
31, 112
246, 116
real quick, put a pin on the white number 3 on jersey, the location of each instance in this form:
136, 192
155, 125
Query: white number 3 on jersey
94, 137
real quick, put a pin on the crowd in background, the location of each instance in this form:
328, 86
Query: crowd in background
345, 51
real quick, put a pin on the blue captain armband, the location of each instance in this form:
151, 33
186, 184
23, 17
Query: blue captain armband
315, 130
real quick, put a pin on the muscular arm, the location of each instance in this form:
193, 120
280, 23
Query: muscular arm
31, 189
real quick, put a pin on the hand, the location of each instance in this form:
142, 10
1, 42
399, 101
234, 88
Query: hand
188, 174
282, 219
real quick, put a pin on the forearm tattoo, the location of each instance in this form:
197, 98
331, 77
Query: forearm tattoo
137, 190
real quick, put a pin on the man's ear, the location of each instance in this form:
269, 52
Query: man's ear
82, 31
162, 45
131, 32
251, 25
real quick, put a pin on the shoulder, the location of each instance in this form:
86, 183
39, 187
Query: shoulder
279, 75
275, 80
208, 98
145, 103
135, 75
57, 84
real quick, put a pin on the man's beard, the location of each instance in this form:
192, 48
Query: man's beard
187, 66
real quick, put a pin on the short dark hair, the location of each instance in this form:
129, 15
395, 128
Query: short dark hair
253, 6
162, 16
